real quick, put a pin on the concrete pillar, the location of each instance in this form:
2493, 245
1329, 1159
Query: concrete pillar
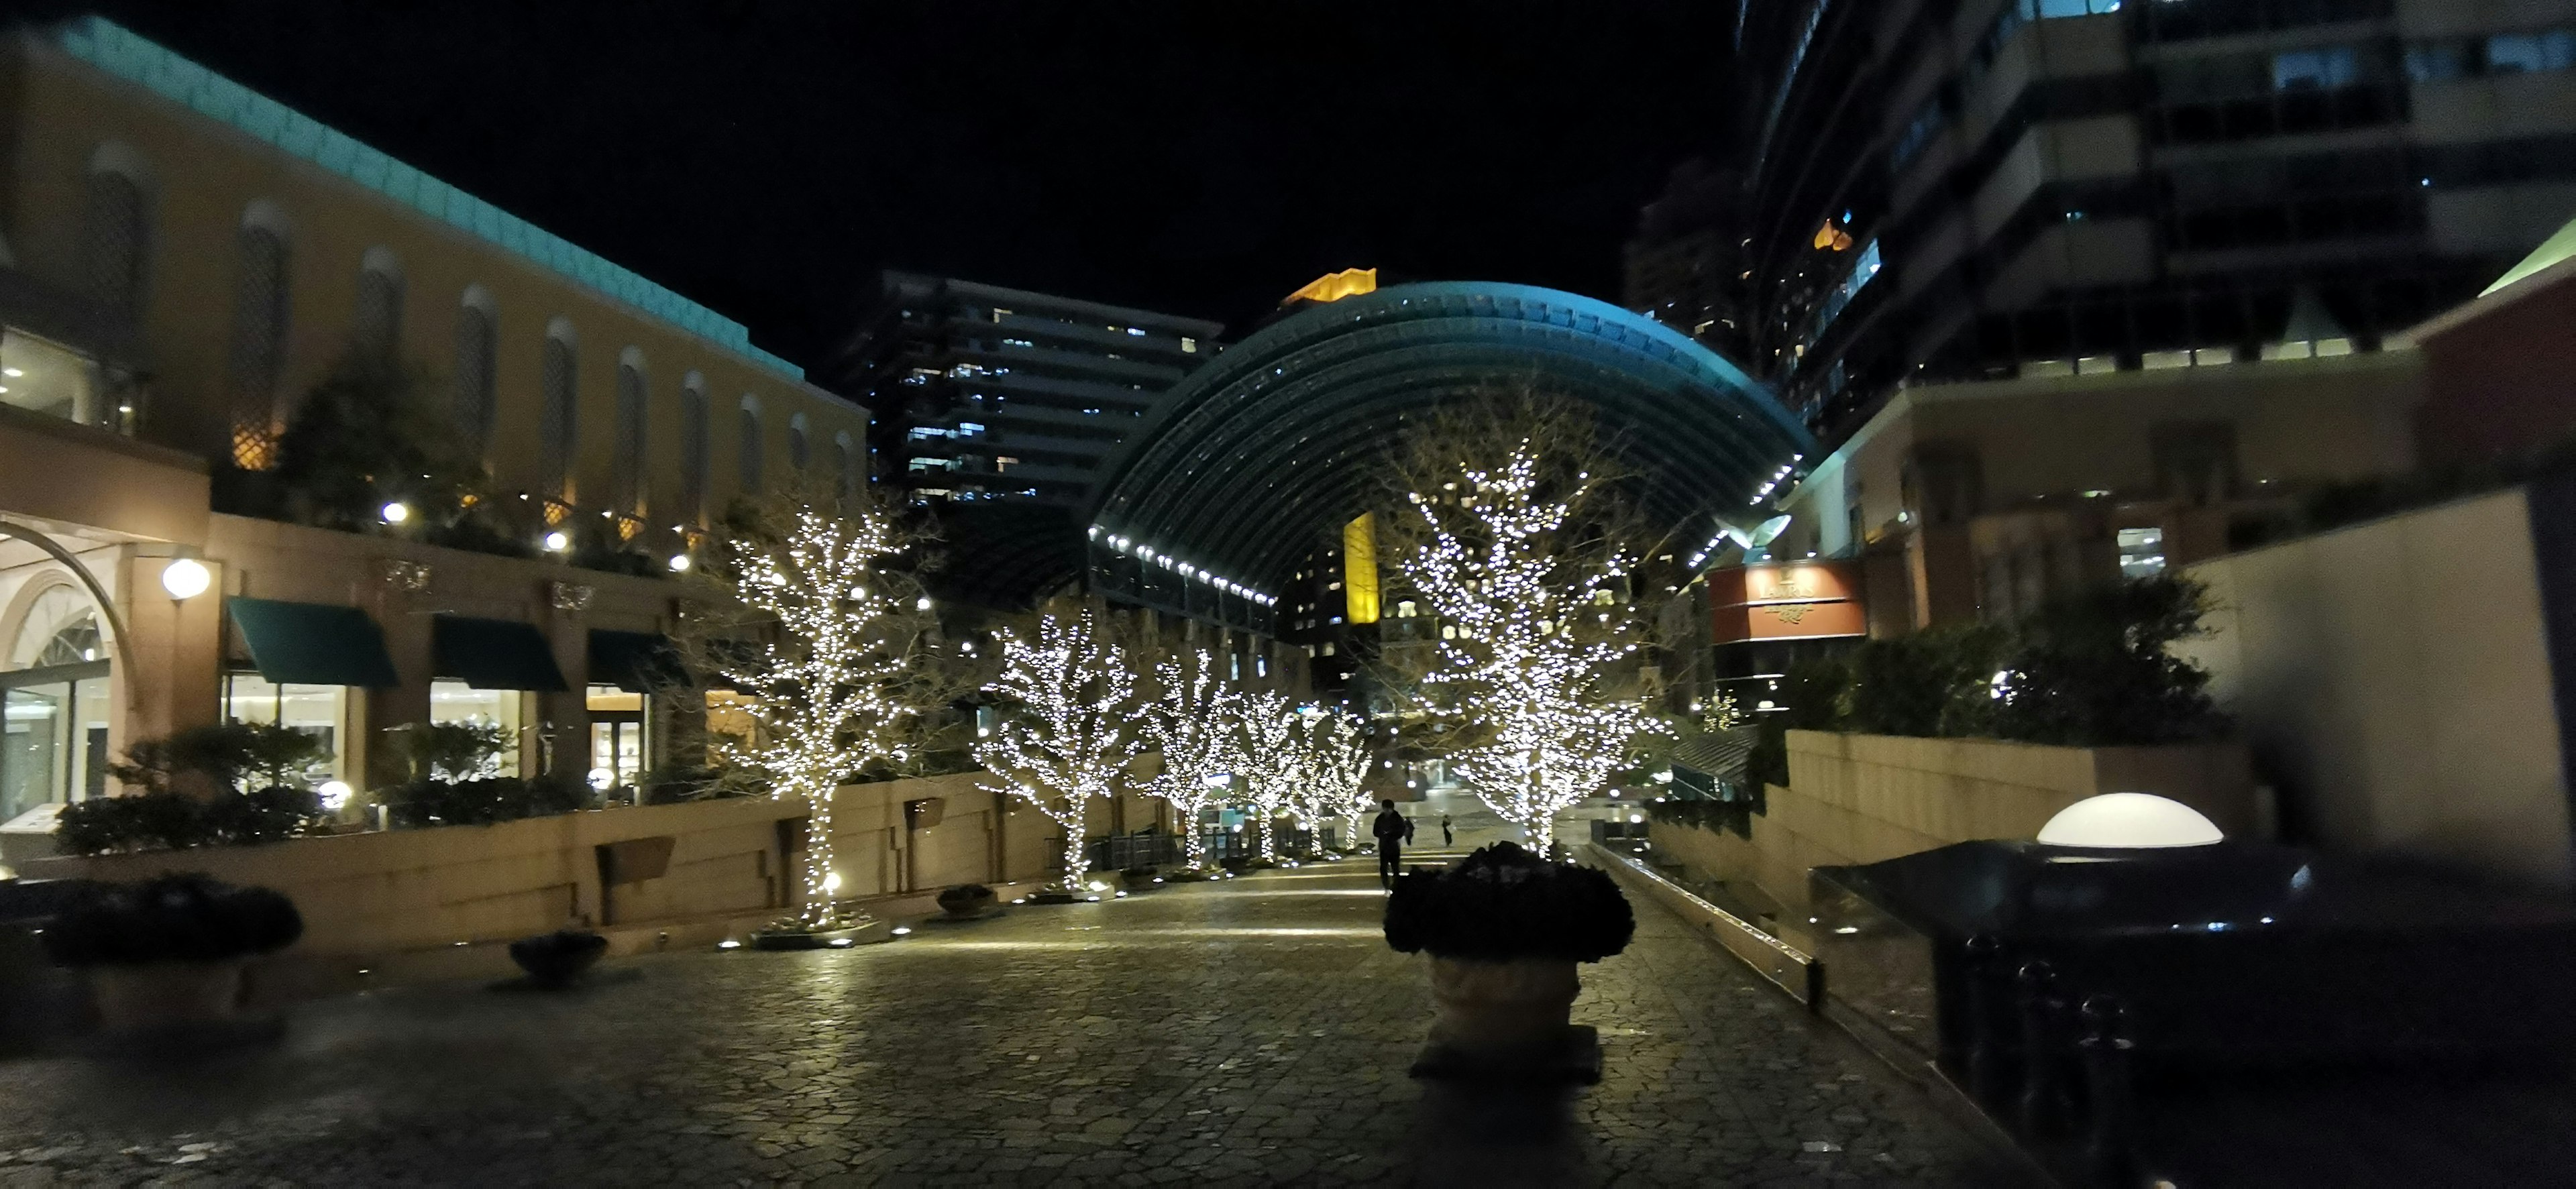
405, 620
168, 672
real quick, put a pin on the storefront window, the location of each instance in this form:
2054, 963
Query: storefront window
53, 706
455, 701
617, 726
54, 380
321, 711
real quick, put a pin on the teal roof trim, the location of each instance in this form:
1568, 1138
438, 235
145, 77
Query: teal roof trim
136, 59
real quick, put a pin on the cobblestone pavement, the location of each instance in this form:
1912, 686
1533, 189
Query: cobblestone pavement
1249, 1032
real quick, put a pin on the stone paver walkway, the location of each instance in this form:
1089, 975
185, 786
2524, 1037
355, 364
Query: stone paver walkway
1255, 1031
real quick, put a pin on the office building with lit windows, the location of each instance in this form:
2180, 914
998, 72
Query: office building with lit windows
983, 393
993, 409
2070, 287
182, 260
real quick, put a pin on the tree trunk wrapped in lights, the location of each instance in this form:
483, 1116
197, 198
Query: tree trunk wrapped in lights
1074, 725
1265, 745
1512, 529
1333, 756
828, 630
1192, 723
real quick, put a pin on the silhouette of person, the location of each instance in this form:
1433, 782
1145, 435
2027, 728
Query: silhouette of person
1391, 828
1446, 838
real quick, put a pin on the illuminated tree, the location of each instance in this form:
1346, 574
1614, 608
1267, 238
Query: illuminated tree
1264, 743
1513, 530
1191, 722
1333, 758
825, 625
1074, 725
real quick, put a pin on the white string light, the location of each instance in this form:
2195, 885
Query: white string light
825, 706
1192, 723
1075, 726
1527, 663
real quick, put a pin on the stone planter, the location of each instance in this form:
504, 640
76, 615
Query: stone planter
158, 995
1499, 1010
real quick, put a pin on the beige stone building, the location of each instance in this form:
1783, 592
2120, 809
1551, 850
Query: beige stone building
181, 260
1980, 500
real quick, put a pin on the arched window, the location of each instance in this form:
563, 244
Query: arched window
694, 449
477, 358
631, 412
558, 425
748, 464
799, 454
845, 471
258, 356
376, 325
116, 239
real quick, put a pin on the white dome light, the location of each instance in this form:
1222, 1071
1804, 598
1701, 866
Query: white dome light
2127, 821
186, 578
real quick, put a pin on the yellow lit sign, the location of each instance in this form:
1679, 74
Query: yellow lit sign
1359, 567
1334, 286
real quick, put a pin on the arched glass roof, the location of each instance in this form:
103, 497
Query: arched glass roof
1247, 464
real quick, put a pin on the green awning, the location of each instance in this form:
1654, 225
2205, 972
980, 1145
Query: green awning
312, 643
639, 662
494, 654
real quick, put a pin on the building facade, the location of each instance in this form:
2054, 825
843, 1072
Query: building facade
183, 260
1980, 190
987, 394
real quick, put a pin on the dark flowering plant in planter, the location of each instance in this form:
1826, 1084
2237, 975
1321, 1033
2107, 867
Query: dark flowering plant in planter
1504, 903
1505, 928
965, 900
170, 950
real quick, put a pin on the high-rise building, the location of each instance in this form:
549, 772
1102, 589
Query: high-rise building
1685, 266
1946, 190
983, 393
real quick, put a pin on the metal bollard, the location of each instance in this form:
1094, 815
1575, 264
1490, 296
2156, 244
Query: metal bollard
1987, 1075
2107, 1080
2043, 1089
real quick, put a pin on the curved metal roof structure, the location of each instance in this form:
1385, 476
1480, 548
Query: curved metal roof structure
1247, 463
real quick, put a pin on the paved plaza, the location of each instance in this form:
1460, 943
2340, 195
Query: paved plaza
1254, 1031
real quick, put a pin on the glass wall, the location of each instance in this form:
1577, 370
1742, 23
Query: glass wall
57, 381
321, 711
53, 706
617, 746
455, 701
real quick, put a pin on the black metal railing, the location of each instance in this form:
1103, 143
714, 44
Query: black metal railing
2048, 1061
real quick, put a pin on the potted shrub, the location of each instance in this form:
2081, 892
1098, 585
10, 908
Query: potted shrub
1504, 929
169, 951
555, 959
966, 901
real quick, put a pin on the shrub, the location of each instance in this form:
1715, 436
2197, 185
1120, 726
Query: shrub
1503, 903
2089, 669
962, 894
2092, 670
483, 802
456, 750
169, 820
228, 754
175, 918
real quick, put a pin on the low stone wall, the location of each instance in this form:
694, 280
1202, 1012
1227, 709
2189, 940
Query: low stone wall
403, 890
1864, 798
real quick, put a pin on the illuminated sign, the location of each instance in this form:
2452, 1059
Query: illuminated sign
1334, 286
1359, 567
1806, 600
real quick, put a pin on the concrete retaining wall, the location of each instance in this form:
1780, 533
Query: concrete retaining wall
1863, 798
413, 889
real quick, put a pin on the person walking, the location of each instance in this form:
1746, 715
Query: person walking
1391, 828
1446, 838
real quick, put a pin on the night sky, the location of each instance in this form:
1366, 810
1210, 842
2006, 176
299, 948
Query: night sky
1199, 158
